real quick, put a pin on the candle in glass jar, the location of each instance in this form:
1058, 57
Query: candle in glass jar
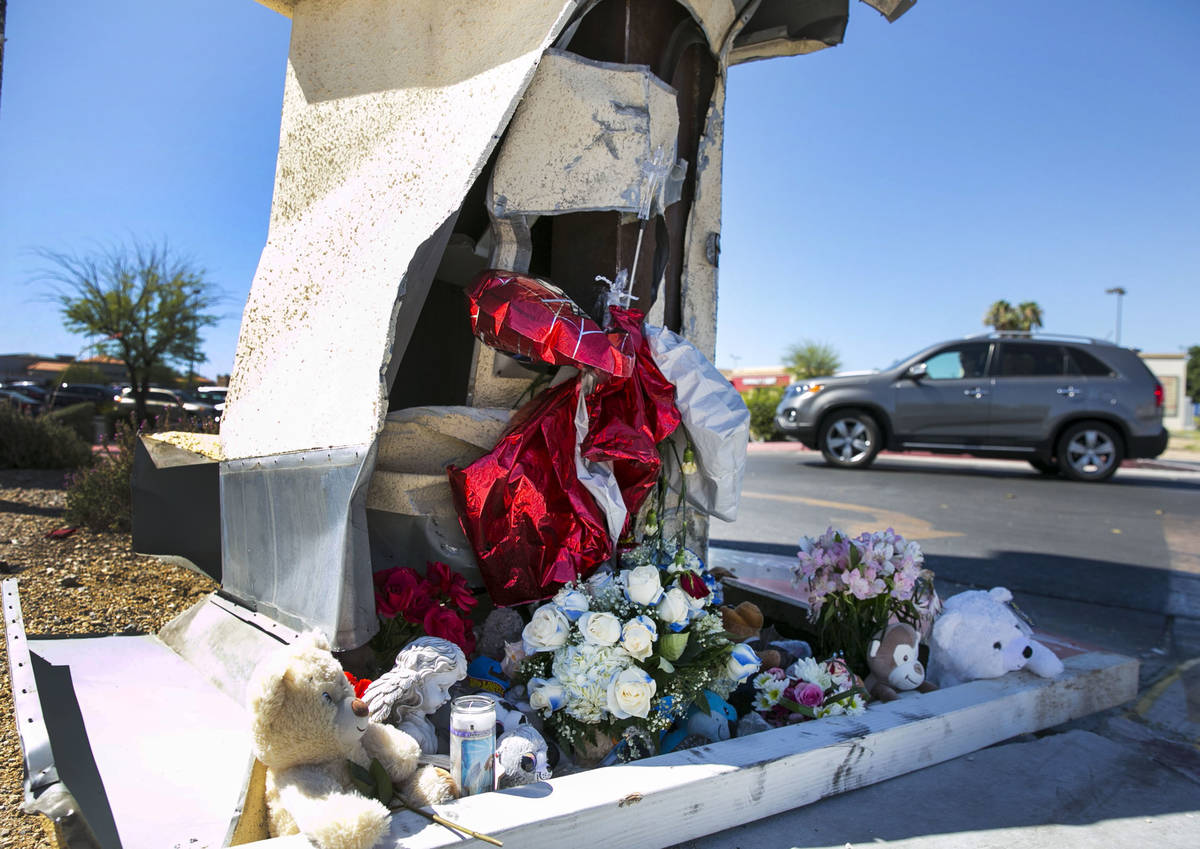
473, 743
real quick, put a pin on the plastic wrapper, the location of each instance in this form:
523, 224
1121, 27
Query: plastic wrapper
628, 418
532, 318
716, 420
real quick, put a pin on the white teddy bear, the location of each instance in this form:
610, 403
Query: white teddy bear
306, 725
979, 636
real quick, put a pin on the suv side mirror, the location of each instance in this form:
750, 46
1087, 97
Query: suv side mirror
916, 372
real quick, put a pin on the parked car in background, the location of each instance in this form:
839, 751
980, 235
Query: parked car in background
161, 401
20, 400
1066, 404
29, 388
214, 395
80, 393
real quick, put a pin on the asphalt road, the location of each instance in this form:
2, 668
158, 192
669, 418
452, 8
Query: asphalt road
1132, 543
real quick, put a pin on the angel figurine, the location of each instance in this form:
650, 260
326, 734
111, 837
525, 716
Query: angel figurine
418, 684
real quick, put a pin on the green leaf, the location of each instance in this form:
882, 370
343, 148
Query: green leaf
665, 665
671, 646
362, 779
846, 694
383, 782
794, 707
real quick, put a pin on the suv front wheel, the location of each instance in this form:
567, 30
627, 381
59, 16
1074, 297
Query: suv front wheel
1089, 451
849, 439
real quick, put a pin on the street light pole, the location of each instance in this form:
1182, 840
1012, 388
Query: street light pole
1120, 293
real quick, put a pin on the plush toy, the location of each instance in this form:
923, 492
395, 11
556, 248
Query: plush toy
744, 622
307, 728
892, 659
979, 636
522, 757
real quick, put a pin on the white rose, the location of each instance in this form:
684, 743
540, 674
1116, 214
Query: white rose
547, 630
673, 610
602, 629
629, 693
546, 695
642, 585
638, 636
572, 603
742, 663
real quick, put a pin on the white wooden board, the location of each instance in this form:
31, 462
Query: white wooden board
664, 800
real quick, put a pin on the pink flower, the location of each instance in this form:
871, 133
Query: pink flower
810, 695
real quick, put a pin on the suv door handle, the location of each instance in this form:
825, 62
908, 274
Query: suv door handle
976, 392
1069, 391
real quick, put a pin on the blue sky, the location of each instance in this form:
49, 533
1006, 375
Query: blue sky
878, 195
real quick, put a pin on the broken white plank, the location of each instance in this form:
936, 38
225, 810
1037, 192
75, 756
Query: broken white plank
664, 800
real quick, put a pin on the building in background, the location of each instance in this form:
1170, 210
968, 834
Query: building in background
745, 379
1171, 371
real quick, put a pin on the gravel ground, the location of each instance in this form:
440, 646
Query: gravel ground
85, 583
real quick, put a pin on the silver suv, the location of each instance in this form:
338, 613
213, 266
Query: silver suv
1067, 404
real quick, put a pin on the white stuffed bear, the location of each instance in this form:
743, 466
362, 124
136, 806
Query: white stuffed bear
979, 636
306, 725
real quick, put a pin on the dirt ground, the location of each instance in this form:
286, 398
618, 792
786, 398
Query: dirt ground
84, 583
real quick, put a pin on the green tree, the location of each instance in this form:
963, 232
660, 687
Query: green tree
1193, 372
1029, 315
146, 303
811, 359
1002, 315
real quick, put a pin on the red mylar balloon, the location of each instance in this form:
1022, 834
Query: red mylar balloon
534, 318
532, 524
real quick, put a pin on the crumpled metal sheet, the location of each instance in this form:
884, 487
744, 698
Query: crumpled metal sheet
716, 420
589, 135
294, 540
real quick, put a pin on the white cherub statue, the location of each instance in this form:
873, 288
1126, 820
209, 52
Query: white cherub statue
418, 685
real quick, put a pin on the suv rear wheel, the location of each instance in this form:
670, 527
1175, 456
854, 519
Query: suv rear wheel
849, 439
1089, 451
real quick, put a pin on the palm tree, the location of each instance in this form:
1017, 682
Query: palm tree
1004, 316
1030, 315
811, 359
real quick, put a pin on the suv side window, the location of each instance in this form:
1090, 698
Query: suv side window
957, 362
1030, 360
1085, 365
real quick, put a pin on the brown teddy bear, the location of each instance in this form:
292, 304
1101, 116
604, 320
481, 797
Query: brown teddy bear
307, 728
892, 659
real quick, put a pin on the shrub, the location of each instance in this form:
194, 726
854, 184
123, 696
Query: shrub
78, 417
762, 401
100, 497
38, 442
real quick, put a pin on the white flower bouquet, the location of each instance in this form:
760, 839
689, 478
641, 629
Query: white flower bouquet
633, 649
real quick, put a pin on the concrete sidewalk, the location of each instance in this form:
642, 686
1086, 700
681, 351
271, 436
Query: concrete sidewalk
1127, 777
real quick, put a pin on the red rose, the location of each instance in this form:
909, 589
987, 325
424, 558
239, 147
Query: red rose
450, 584
359, 684
450, 625
401, 592
694, 585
